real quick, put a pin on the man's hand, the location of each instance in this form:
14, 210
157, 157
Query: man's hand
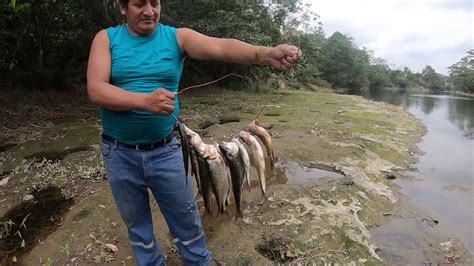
282, 57
160, 102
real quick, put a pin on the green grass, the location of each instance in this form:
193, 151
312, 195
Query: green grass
388, 154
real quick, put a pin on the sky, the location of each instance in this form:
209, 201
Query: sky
412, 33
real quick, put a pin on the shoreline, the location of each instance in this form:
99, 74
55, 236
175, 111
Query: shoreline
343, 133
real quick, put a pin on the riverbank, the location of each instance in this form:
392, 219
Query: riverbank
465, 94
309, 216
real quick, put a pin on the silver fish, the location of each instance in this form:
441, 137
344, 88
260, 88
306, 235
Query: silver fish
203, 152
245, 160
266, 139
205, 182
200, 147
184, 148
195, 167
220, 177
256, 156
230, 150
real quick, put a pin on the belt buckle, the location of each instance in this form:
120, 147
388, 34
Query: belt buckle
142, 147
149, 147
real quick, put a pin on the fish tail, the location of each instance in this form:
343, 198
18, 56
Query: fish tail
222, 207
262, 181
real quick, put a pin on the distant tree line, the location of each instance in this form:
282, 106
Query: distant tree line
462, 73
46, 44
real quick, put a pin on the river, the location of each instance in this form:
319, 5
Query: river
442, 183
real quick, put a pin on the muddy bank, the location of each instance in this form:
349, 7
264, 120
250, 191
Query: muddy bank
308, 216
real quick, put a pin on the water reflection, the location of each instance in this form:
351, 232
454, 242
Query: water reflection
461, 113
446, 170
459, 110
392, 97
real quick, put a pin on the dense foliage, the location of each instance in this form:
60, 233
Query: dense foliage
343, 64
47, 41
462, 73
46, 45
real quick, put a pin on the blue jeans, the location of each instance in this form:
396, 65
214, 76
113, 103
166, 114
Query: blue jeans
130, 173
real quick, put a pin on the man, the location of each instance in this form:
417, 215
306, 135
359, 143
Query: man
133, 75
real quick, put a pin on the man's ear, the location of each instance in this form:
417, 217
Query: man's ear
123, 9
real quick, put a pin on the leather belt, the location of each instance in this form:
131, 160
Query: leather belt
140, 147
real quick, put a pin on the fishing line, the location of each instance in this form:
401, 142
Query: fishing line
205, 84
208, 83
177, 120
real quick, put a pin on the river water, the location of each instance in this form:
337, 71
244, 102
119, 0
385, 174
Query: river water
444, 180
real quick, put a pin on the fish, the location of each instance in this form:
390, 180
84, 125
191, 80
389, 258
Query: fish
256, 156
205, 182
201, 148
245, 160
194, 140
195, 168
203, 152
220, 176
231, 153
184, 147
266, 139
265, 126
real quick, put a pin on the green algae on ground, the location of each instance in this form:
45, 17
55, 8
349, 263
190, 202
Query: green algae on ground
323, 223
340, 130
386, 153
55, 144
309, 117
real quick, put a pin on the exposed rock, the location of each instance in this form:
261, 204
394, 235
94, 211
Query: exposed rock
341, 216
361, 179
28, 197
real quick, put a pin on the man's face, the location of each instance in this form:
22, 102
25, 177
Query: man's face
142, 16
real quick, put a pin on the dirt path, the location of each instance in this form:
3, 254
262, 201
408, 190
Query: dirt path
309, 216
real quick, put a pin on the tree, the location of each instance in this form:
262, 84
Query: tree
48, 40
399, 78
378, 73
462, 73
343, 64
433, 80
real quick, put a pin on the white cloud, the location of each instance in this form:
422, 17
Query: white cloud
412, 33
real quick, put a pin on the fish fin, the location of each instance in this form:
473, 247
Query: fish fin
248, 183
274, 158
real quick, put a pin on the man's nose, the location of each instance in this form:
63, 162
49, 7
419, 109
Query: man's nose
148, 10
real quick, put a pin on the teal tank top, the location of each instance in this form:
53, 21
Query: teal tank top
142, 64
